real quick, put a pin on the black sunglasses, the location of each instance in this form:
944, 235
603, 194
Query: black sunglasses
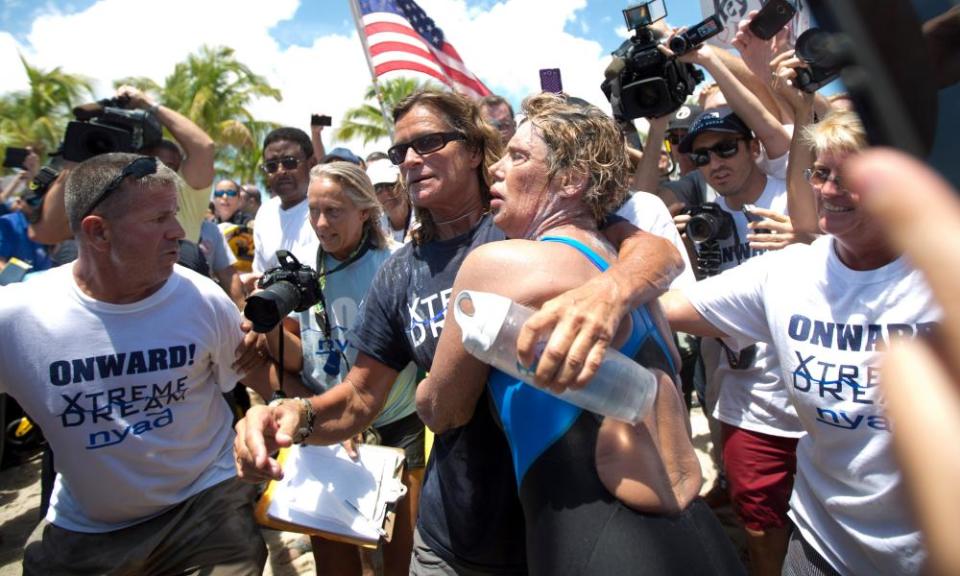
138, 168
423, 145
723, 149
221, 193
288, 163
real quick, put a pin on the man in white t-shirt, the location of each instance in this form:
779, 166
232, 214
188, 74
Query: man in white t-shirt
758, 427
122, 359
282, 222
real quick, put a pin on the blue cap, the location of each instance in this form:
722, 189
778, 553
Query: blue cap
341, 154
717, 120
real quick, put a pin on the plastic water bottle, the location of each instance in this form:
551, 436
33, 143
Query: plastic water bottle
490, 323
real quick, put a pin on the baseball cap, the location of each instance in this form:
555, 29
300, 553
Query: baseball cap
683, 117
717, 120
382, 172
341, 154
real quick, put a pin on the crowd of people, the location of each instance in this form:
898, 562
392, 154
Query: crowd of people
747, 256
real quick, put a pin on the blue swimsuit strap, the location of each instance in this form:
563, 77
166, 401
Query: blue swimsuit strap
640, 318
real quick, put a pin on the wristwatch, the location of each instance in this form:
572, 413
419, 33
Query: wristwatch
305, 426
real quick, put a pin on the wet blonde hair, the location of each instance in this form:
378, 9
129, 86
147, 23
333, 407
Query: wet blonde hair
357, 186
584, 140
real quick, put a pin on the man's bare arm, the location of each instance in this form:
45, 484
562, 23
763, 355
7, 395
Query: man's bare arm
581, 322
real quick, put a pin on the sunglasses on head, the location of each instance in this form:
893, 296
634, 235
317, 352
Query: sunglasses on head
423, 145
288, 163
229, 193
138, 168
723, 149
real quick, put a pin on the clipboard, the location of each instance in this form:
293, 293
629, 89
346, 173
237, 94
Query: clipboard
325, 493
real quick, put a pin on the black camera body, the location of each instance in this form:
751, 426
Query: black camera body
107, 126
642, 82
696, 35
289, 287
709, 223
824, 54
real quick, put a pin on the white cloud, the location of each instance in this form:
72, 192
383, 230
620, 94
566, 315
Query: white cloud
505, 44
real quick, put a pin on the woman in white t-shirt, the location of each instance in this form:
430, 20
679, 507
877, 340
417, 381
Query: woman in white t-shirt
828, 309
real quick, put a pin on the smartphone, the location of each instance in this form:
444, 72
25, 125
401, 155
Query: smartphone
550, 80
751, 217
319, 120
15, 157
774, 15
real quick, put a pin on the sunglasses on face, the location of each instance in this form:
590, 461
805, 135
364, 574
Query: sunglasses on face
423, 145
222, 193
288, 163
723, 149
137, 169
820, 176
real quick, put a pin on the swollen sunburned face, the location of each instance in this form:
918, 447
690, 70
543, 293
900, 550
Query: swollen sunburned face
521, 190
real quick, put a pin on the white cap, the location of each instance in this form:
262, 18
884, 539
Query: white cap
382, 172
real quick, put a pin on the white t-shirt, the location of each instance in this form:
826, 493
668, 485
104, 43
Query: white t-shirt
279, 229
323, 358
827, 324
753, 398
128, 395
648, 213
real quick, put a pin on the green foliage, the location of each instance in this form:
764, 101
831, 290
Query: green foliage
366, 122
213, 89
38, 117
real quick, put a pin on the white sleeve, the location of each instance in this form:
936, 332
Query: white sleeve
228, 326
734, 301
648, 213
258, 258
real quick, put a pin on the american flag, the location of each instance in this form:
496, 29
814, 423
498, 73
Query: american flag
400, 36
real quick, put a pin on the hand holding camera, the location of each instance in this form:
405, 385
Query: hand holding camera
132, 97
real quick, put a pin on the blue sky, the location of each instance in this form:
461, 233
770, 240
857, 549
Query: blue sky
309, 49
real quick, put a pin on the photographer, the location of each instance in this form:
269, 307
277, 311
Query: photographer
194, 164
745, 393
345, 215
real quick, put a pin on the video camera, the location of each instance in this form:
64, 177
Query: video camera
642, 82
288, 287
107, 126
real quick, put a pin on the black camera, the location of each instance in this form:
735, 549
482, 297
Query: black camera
708, 222
288, 287
107, 126
696, 35
642, 82
825, 54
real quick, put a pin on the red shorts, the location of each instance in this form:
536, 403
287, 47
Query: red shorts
760, 470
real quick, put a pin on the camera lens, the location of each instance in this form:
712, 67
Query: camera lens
701, 228
267, 308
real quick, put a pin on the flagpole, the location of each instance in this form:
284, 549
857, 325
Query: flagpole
358, 21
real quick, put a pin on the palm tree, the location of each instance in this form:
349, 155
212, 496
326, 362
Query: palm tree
213, 89
366, 122
39, 116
